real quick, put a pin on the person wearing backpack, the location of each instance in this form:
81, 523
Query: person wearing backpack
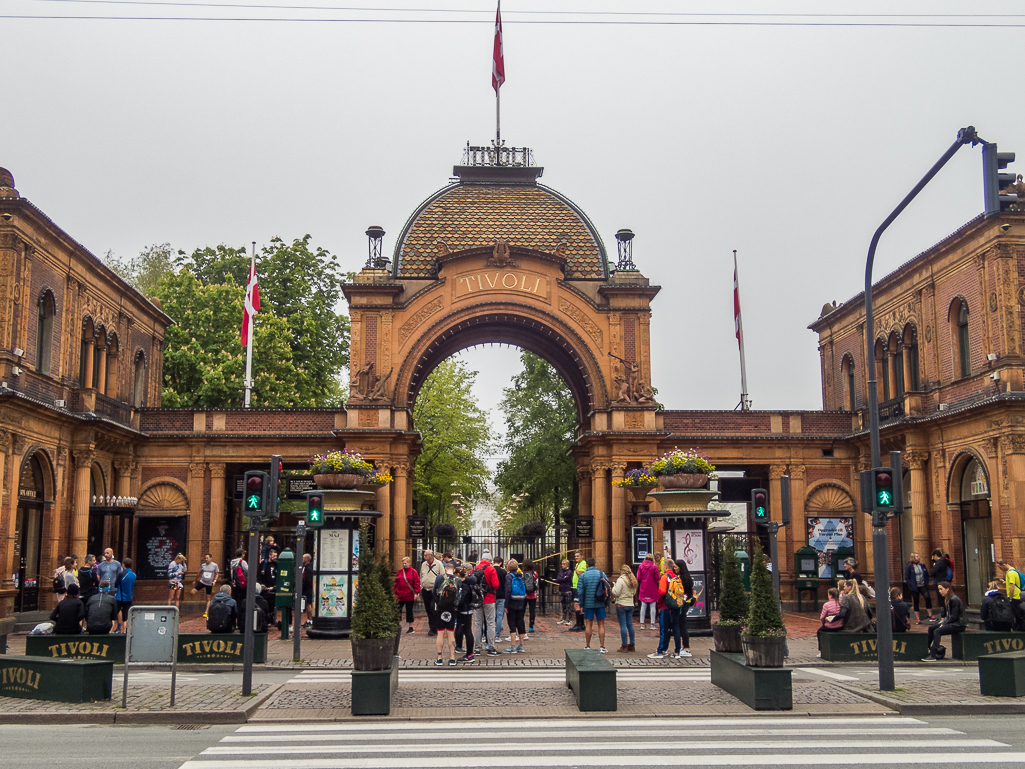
995, 612
672, 602
900, 614
470, 598
484, 617
515, 604
593, 594
223, 612
531, 579
446, 600
1013, 583
238, 575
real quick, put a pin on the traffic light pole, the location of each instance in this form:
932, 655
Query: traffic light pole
250, 610
880, 541
297, 596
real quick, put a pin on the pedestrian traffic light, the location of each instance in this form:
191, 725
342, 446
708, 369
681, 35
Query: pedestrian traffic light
882, 489
995, 184
314, 510
760, 504
273, 493
255, 493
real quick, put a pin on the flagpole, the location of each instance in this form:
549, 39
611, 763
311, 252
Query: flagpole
745, 404
249, 337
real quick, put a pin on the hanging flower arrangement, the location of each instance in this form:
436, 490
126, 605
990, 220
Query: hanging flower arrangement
345, 462
642, 477
678, 462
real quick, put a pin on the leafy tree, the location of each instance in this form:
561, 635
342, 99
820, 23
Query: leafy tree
204, 361
763, 616
303, 286
144, 271
540, 418
732, 601
457, 437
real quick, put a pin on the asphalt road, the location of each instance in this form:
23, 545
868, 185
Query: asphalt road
762, 741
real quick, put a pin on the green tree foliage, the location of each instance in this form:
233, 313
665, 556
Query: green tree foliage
763, 616
144, 272
375, 613
302, 286
732, 601
540, 421
457, 438
204, 361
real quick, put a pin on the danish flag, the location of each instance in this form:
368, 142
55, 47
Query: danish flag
736, 306
252, 304
498, 58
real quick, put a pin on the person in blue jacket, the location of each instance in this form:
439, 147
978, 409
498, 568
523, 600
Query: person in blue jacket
123, 595
586, 602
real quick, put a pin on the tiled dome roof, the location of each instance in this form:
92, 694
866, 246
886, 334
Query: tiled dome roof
468, 215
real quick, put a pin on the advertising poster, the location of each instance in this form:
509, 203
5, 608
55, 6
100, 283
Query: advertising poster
332, 596
667, 543
158, 541
690, 548
355, 553
698, 609
826, 535
334, 550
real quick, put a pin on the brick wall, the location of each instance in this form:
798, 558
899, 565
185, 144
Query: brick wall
44, 278
180, 473
755, 422
300, 421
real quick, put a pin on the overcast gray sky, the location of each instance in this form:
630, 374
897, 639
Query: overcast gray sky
788, 143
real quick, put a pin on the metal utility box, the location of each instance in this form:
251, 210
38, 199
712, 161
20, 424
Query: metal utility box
744, 561
806, 568
285, 585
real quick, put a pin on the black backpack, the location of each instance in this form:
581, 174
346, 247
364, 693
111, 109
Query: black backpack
529, 582
219, 619
1002, 614
603, 591
58, 584
448, 592
482, 583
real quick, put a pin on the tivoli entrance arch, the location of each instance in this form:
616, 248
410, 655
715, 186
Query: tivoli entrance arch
498, 257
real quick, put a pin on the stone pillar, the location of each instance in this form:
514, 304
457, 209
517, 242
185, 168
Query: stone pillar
618, 518
84, 459
7, 520
797, 534
216, 539
399, 543
101, 375
384, 522
600, 511
1013, 546
197, 482
90, 345
776, 514
919, 502
584, 491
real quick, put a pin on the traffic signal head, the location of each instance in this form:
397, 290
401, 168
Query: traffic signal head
273, 484
255, 490
882, 485
995, 184
760, 504
314, 510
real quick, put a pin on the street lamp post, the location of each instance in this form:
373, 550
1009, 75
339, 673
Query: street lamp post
880, 543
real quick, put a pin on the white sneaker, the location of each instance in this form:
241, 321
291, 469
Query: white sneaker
508, 638
684, 653
642, 627
655, 656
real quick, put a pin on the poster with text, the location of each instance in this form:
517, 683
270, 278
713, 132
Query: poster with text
826, 535
690, 548
355, 553
332, 596
158, 541
699, 607
334, 550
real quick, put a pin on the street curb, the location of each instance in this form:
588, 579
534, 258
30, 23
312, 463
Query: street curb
939, 709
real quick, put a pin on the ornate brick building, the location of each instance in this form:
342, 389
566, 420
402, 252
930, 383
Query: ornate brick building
499, 257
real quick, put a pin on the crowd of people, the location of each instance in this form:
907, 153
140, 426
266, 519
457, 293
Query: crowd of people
94, 597
468, 604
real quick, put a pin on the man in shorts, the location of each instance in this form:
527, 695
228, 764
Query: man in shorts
586, 602
446, 600
207, 578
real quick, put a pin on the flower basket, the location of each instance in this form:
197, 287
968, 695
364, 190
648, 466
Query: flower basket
337, 480
727, 637
445, 530
638, 493
763, 652
684, 481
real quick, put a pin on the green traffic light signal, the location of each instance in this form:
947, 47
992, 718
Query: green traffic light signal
884, 489
314, 510
255, 488
253, 502
760, 503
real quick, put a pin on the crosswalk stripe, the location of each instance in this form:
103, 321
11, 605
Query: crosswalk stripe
828, 674
647, 759
588, 747
476, 677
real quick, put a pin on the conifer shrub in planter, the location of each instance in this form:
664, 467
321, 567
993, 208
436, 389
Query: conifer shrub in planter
732, 606
375, 615
765, 635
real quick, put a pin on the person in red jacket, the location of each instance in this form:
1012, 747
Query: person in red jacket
407, 588
484, 617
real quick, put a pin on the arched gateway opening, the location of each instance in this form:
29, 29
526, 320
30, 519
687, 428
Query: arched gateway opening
499, 258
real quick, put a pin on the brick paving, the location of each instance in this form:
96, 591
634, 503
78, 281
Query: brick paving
948, 692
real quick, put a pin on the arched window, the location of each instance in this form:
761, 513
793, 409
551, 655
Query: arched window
44, 333
85, 370
911, 357
962, 340
848, 394
139, 390
99, 356
882, 371
896, 359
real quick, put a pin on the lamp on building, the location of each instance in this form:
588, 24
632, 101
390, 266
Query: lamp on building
626, 250
375, 260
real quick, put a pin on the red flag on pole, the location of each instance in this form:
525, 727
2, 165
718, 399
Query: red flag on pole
252, 303
498, 58
736, 305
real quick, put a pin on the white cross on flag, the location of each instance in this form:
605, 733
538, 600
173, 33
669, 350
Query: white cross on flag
498, 58
252, 304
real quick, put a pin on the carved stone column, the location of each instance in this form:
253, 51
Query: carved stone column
8, 511
618, 517
90, 346
917, 461
101, 375
84, 459
775, 513
1012, 476
217, 538
400, 514
796, 536
197, 482
600, 511
584, 491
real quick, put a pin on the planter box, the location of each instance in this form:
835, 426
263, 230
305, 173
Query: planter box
1002, 675
972, 645
218, 647
38, 678
6, 628
862, 647
758, 688
592, 679
372, 690
109, 648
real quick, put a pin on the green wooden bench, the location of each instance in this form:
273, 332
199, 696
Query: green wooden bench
972, 645
862, 647
1002, 675
6, 628
592, 679
758, 688
109, 648
60, 680
372, 690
